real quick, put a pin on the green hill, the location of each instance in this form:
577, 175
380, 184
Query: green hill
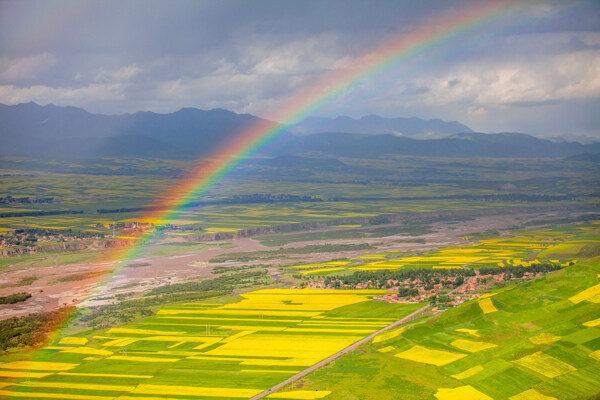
538, 340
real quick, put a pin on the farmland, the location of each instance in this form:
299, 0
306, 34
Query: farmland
540, 342
535, 339
558, 245
365, 188
205, 308
206, 350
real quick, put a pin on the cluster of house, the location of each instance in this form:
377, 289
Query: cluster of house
472, 288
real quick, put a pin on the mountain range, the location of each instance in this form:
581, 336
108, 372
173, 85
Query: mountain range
374, 124
32, 130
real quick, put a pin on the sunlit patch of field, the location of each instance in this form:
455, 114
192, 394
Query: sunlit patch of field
468, 373
172, 390
73, 340
301, 395
38, 365
322, 270
472, 332
425, 355
592, 323
544, 338
83, 386
382, 337
82, 350
591, 294
531, 394
23, 374
494, 253
545, 365
487, 306
461, 393
471, 346
32, 395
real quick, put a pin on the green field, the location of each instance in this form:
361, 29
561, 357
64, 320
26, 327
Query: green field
544, 337
365, 188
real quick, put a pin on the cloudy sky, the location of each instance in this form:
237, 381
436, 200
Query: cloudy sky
534, 70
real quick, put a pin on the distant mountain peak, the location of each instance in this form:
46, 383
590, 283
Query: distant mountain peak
375, 124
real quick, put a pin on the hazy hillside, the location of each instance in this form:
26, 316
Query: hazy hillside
34, 129
374, 124
31, 129
461, 145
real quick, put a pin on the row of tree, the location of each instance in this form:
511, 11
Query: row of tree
14, 298
381, 277
518, 271
32, 330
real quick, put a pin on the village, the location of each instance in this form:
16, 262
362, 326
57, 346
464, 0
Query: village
443, 292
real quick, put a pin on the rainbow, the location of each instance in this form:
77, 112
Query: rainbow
391, 54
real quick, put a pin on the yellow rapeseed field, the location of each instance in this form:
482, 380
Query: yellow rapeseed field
87, 350
300, 395
194, 391
590, 294
466, 392
472, 332
39, 365
294, 362
143, 331
545, 365
257, 328
531, 394
82, 386
328, 330
73, 340
487, 306
267, 313
471, 346
105, 375
65, 396
281, 346
388, 335
468, 373
317, 271
269, 371
430, 356
295, 300
23, 374
544, 338
122, 342
144, 359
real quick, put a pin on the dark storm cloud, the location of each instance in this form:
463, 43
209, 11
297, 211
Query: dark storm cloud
249, 56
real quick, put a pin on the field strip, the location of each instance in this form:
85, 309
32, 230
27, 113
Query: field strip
32, 395
106, 375
337, 355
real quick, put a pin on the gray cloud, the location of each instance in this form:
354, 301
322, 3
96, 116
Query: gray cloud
112, 56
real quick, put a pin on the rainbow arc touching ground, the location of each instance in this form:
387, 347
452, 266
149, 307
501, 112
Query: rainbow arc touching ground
393, 53
219, 166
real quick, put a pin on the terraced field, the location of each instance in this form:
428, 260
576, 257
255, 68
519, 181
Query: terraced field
539, 340
203, 350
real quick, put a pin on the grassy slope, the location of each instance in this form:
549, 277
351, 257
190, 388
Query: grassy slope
540, 307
